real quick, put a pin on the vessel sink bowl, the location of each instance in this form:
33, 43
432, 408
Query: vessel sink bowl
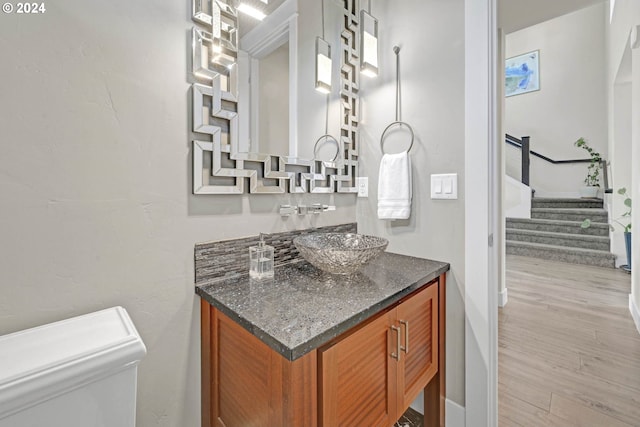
339, 253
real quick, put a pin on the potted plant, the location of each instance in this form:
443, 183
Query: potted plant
626, 217
623, 220
592, 180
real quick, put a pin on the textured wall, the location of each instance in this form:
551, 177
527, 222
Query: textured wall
431, 34
571, 102
95, 183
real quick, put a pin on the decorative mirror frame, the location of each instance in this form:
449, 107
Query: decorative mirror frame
214, 46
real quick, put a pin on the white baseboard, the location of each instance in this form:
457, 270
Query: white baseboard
454, 414
503, 298
635, 313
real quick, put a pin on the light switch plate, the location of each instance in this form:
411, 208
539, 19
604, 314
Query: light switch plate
444, 186
362, 183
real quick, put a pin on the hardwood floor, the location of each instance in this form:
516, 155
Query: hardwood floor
569, 352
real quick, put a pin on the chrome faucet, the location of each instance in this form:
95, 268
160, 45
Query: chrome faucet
316, 208
288, 210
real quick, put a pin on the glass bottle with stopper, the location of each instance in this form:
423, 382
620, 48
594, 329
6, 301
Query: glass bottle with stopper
261, 260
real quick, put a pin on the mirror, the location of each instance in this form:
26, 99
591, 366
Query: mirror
267, 85
269, 118
245, 101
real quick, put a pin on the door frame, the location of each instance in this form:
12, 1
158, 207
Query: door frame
482, 166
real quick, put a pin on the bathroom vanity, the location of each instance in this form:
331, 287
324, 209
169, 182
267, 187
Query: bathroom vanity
308, 348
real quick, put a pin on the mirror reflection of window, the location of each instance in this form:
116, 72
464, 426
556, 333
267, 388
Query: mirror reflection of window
273, 101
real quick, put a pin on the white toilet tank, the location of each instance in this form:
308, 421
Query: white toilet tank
79, 372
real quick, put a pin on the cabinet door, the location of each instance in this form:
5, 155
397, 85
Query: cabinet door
418, 320
359, 377
247, 384
244, 378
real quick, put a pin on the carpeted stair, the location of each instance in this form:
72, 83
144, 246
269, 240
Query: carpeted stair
554, 232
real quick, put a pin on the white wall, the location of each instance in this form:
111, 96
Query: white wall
274, 102
312, 104
517, 199
431, 36
621, 164
624, 15
513, 161
635, 155
515, 15
95, 183
572, 100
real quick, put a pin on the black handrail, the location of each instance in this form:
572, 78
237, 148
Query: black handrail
523, 145
512, 140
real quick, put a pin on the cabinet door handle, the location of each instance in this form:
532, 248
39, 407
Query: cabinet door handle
397, 354
406, 336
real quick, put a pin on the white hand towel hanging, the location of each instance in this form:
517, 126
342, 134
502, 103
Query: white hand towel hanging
394, 186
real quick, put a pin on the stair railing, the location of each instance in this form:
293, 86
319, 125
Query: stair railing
524, 145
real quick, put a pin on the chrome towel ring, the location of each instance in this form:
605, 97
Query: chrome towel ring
394, 125
398, 123
327, 138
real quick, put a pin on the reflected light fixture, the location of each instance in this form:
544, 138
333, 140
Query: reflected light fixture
323, 61
368, 43
323, 66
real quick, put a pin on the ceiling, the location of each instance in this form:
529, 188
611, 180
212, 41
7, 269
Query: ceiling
515, 15
247, 23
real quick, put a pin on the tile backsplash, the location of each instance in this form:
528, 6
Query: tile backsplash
218, 260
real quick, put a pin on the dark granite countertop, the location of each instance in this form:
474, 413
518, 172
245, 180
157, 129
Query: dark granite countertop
302, 307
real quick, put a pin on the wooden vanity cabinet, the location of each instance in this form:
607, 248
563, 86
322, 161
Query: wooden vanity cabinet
418, 364
368, 376
371, 376
358, 378
247, 384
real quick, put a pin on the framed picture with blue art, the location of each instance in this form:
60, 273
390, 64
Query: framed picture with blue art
522, 74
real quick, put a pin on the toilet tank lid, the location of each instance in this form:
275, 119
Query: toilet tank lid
40, 362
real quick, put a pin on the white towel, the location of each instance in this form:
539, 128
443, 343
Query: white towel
394, 186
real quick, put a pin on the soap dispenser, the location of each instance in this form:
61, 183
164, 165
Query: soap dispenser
261, 260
